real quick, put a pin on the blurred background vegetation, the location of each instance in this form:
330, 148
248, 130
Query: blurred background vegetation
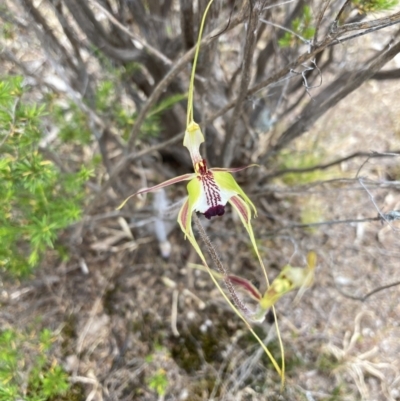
92, 107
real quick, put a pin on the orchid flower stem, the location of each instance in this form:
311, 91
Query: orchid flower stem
222, 270
196, 55
210, 272
237, 304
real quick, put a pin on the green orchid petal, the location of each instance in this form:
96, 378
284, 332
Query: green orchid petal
243, 209
185, 222
244, 212
226, 181
279, 287
194, 189
289, 279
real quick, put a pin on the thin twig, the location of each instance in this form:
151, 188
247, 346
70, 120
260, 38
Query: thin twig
360, 180
393, 215
331, 164
366, 296
152, 50
282, 73
249, 47
124, 162
387, 217
319, 19
346, 38
174, 313
330, 40
327, 99
376, 23
327, 223
339, 14
277, 5
307, 187
97, 34
285, 29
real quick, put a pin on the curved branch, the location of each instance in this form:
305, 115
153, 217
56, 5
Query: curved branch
357, 26
328, 165
152, 50
326, 99
366, 296
96, 34
388, 74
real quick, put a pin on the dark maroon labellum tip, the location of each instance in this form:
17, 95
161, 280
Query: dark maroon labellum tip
218, 210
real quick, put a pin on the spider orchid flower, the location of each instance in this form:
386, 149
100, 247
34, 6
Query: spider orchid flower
209, 190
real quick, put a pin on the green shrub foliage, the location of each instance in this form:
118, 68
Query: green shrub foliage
38, 200
27, 371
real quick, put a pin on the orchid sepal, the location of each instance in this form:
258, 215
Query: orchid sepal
192, 140
225, 180
185, 222
184, 177
244, 212
233, 169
